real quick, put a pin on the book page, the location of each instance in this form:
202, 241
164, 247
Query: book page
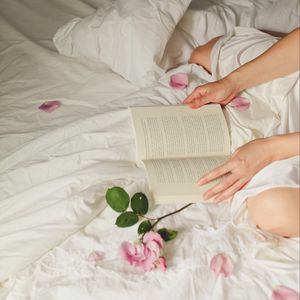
178, 131
175, 180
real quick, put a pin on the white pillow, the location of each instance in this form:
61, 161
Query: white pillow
129, 36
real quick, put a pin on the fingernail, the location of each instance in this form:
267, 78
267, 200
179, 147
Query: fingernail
200, 182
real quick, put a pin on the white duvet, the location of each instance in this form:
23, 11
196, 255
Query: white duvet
55, 169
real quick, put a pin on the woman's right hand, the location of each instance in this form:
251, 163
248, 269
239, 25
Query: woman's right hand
222, 92
245, 162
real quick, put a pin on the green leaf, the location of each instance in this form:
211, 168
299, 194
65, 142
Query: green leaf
139, 203
167, 234
127, 219
117, 198
145, 226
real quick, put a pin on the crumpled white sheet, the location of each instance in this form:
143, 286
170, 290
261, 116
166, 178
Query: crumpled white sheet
204, 230
64, 272
48, 174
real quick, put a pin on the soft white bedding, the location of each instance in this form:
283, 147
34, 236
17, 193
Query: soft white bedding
55, 168
137, 30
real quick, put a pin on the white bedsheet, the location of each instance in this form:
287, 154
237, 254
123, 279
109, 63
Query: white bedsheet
48, 177
55, 169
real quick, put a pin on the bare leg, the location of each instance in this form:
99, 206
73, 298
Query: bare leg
201, 55
276, 210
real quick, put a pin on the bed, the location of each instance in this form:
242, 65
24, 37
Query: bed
55, 167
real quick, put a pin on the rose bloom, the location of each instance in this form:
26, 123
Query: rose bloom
145, 254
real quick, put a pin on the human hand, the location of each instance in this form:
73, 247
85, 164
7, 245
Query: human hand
222, 91
245, 162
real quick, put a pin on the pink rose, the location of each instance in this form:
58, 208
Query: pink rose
146, 253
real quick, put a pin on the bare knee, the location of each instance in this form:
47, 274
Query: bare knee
276, 210
201, 55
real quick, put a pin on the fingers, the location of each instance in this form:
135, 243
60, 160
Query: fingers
226, 189
220, 187
232, 183
218, 172
218, 92
191, 97
238, 185
197, 103
196, 99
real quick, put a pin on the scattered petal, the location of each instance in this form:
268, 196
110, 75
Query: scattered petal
240, 103
179, 81
50, 106
284, 293
221, 264
95, 256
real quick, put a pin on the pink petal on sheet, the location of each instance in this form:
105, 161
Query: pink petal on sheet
179, 81
284, 293
95, 256
221, 264
240, 103
50, 106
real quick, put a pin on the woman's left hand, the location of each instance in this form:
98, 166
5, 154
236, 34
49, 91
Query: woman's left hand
245, 162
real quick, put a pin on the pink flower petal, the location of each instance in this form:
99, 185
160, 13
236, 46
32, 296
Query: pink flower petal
240, 103
152, 236
95, 256
161, 263
179, 81
127, 250
50, 106
221, 264
284, 293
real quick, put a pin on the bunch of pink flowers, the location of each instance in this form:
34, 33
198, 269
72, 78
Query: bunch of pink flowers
145, 253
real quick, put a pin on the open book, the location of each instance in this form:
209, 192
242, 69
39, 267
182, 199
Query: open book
178, 145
